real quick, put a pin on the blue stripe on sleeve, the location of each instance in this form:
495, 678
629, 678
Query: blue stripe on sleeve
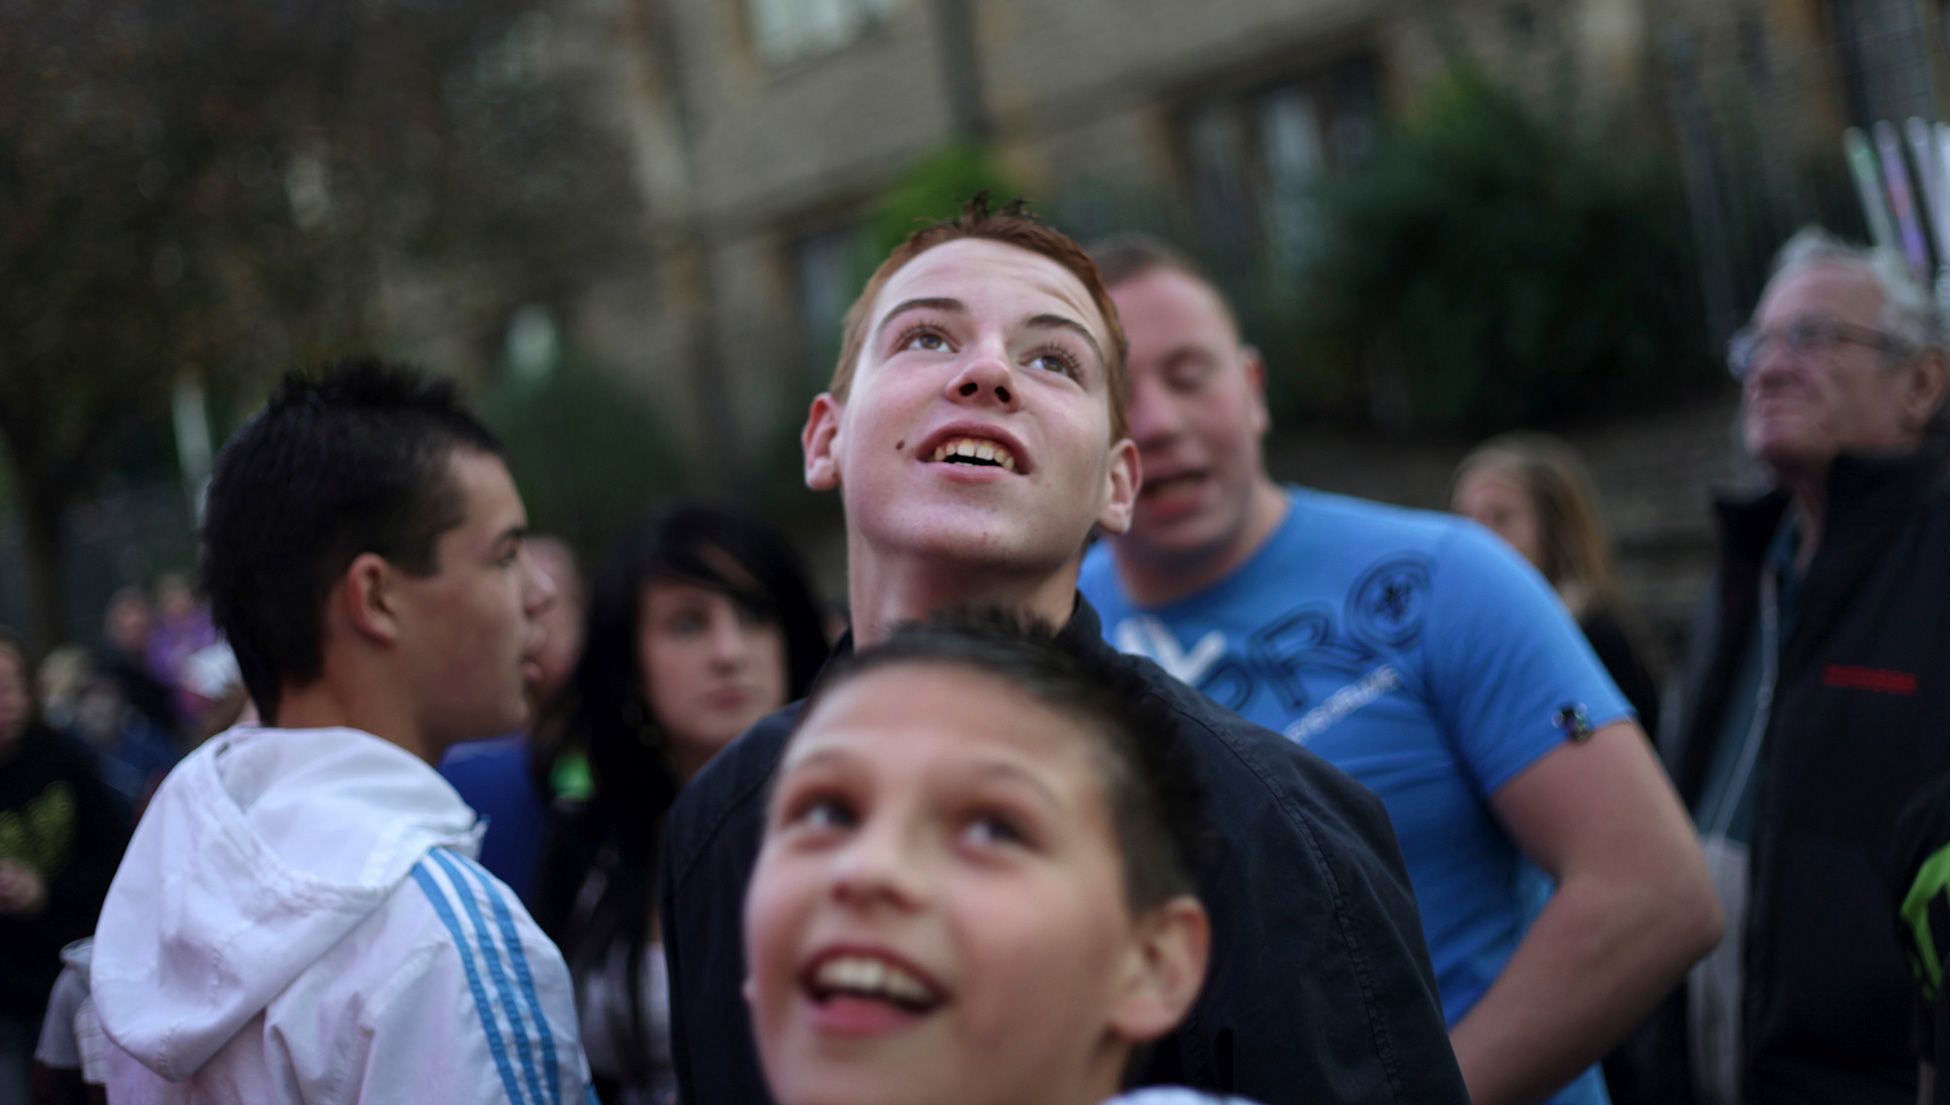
500, 977
511, 939
496, 1047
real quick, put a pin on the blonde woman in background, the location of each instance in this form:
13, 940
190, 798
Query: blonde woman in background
1534, 492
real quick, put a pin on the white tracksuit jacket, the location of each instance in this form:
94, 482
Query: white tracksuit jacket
299, 918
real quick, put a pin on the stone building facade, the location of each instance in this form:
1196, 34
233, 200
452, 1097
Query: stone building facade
764, 132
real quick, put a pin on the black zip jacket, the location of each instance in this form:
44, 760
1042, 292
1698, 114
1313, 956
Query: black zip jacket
1861, 720
1319, 989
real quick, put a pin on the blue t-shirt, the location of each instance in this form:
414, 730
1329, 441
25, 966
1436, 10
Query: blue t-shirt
1418, 654
492, 776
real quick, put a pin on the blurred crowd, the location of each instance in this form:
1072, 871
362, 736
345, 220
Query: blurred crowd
1122, 766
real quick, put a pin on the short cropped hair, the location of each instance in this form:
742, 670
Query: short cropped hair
350, 460
1012, 225
1156, 805
1125, 257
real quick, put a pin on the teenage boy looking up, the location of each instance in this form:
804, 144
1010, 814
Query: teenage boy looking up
299, 917
1418, 653
975, 432
978, 882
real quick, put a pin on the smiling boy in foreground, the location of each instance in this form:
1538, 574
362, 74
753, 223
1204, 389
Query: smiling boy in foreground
977, 882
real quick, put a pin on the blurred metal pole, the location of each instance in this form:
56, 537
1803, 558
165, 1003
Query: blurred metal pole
1691, 120
192, 423
961, 69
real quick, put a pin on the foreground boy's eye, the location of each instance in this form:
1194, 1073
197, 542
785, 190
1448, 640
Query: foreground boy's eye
990, 829
823, 812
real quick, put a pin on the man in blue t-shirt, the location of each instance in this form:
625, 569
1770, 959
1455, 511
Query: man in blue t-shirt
1416, 653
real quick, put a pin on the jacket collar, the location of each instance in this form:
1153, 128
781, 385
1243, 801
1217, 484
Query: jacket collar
1865, 493
1083, 630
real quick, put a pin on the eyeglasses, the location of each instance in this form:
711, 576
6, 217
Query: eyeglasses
1804, 336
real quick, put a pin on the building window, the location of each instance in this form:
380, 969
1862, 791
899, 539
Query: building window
1251, 155
828, 269
786, 30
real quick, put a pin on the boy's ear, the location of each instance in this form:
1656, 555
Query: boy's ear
817, 440
367, 602
1256, 375
1123, 480
1167, 967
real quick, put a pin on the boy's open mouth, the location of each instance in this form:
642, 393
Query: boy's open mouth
870, 978
1168, 485
976, 451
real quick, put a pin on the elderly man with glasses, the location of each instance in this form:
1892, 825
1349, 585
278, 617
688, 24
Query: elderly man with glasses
1817, 699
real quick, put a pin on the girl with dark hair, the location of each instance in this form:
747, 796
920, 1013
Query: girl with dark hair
702, 623
1533, 490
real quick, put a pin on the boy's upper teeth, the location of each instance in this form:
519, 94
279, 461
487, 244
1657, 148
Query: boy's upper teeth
859, 974
975, 448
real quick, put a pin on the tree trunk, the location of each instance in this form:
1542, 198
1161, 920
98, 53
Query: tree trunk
42, 512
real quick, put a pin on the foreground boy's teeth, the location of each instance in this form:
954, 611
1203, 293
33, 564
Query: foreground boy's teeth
975, 449
862, 975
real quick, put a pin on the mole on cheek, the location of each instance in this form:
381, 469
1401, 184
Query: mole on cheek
899, 445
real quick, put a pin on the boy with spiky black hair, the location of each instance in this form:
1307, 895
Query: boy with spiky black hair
299, 917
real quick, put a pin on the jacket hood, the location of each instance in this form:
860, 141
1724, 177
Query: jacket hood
260, 851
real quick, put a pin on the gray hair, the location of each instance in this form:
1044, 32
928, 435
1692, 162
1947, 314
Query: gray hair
1909, 311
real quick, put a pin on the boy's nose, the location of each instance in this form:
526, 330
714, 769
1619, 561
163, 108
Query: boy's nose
986, 379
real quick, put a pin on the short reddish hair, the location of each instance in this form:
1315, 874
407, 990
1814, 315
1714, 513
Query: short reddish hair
1012, 225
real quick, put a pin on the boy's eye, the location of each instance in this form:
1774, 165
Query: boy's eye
823, 812
987, 830
1055, 360
1188, 373
925, 339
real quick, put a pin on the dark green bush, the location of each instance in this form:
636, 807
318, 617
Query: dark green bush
1485, 270
933, 188
590, 453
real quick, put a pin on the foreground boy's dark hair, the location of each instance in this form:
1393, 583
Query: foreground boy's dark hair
1155, 800
350, 460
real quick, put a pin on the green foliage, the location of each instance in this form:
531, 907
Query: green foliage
1486, 270
590, 453
224, 189
933, 188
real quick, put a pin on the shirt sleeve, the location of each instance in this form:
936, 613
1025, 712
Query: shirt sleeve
1509, 672
486, 1015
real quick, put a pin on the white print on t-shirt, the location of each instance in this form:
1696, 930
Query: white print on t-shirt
1344, 702
1144, 635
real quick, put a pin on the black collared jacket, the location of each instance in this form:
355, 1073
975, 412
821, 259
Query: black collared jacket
1320, 987
1861, 720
